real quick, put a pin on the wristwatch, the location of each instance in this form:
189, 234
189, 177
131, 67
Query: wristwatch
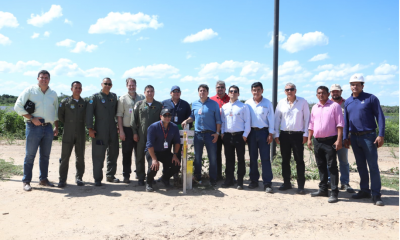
218, 133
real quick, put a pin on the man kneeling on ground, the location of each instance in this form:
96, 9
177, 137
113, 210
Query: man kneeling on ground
160, 137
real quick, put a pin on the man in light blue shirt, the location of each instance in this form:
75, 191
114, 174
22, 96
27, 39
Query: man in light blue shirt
206, 113
260, 137
235, 117
39, 131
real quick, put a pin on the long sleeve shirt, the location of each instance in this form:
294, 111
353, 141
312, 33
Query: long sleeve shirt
360, 114
325, 119
295, 118
206, 115
262, 114
235, 117
46, 104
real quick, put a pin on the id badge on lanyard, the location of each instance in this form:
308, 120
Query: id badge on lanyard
165, 144
176, 118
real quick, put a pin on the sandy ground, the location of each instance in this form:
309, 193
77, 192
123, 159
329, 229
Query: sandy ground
126, 211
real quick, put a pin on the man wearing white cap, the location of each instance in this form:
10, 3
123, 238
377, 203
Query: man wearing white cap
342, 154
360, 112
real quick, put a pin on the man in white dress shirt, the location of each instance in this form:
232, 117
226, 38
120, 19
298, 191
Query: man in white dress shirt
260, 137
292, 115
235, 117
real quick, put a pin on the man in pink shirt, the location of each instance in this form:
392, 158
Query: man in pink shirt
326, 125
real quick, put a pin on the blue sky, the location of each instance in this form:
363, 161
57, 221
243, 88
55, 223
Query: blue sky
186, 43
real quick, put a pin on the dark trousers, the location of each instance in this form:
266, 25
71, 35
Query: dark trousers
325, 155
127, 148
232, 143
288, 143
219, 157
179, 155
79, 144
169, 168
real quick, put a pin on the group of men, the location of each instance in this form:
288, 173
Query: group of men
151, 129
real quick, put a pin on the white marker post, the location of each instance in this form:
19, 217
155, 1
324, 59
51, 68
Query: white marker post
187, 166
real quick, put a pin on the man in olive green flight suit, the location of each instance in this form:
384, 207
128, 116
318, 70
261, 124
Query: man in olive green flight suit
72, 112
144, 114
104, 134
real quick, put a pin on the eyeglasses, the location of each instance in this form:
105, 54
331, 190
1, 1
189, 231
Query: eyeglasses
176, 91
167, 115
290, 89
220, 87
108, 84
233, 91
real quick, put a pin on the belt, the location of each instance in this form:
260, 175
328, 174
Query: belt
206, 131
235, 133
292, 132
327, 138
41, 124
361, 133
258, 129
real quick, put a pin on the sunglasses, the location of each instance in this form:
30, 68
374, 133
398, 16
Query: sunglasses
221, 87
167, 115
290, 89
176, 91
108, 84
233, 91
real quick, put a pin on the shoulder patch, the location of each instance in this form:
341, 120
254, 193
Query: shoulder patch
65, 99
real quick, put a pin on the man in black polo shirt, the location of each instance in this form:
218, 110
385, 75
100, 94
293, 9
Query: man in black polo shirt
160, 137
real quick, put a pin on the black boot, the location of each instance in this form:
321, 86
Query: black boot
333, 198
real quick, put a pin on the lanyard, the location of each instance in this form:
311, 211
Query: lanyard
165, 135
176, 107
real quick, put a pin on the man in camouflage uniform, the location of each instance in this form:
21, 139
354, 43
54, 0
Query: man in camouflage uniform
72, 112
144, 114
104, 134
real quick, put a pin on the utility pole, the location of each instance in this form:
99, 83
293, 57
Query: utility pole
275, 69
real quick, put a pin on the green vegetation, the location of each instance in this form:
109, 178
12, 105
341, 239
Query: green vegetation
7, 169
7, 100
390, 182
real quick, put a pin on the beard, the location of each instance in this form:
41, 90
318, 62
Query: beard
336, 97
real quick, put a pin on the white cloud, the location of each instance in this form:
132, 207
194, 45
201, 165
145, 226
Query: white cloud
379, 78
324, 67
65, 43
68, 21
251, 68
39, 20
46, 34
99, 72
121, 23
83, 47
35, 35
151, 71
385, 69
395, 93
235, 80
4, 40
7, 67
175, 76
281, 38
214, 67
339, 72
203, 35
142, 38
297, 42
289, 71
8, 20
188, 55
194, 79
319, 57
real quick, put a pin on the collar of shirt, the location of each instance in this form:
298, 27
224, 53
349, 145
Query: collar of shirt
329, 102
359, 95
294, 102
341, 101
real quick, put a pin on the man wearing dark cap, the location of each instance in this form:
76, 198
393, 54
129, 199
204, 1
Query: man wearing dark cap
160, 137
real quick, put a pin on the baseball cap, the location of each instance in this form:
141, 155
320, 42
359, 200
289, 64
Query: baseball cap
336, 87
165, 111
175, 88
357, 78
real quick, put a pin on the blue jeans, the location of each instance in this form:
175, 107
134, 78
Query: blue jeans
37, 137
342, 155
257, 141
365, 151
201, 139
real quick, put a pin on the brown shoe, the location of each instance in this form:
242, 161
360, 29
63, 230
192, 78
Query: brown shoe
46, 183
27, 186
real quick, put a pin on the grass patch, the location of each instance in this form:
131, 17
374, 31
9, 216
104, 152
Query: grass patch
390, 182
8, 169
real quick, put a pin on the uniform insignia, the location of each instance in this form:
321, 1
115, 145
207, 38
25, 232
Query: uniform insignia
72, 106
111, 99
60, 104
153, 107
90, 101
80, 105
103, 101
146, 107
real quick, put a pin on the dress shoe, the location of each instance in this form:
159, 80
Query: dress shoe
27, 186
126, 180
141, 182
165, 182
112, 179
320, 193
301, 191
333, 198
149, 188
377, 201
347, 188
253, 185
46, 183
268, 188
98, 184
79, 182
361, 194
285, 187
227, 184
61, 185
